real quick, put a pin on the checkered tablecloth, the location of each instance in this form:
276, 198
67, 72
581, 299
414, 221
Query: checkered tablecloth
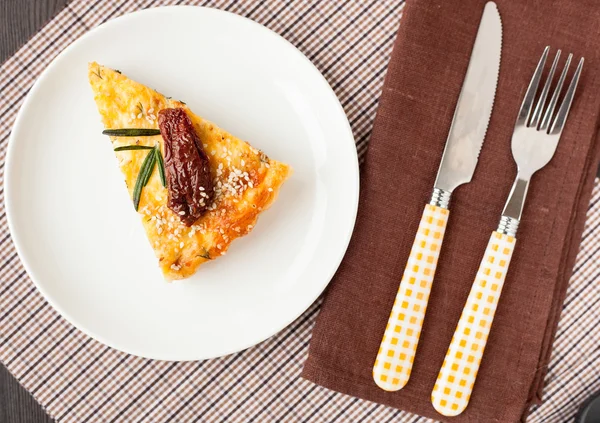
77, 379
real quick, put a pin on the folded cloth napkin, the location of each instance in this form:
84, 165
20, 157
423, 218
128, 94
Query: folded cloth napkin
424, 77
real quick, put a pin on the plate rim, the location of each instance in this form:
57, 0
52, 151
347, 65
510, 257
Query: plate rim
9, 163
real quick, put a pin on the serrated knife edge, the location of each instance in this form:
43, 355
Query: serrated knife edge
474, 106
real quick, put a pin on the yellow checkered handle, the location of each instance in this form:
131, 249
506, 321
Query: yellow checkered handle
455, 381
397, 351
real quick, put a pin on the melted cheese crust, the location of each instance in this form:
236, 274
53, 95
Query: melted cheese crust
246, 180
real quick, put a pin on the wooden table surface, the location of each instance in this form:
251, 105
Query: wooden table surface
19, 20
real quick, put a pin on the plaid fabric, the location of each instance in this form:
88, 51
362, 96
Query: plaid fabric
77, 379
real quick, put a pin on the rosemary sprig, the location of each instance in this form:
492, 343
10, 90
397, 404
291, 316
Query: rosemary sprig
133, 147
143, 177
205, 254
131, 132
140, 107
97, 73
161, 166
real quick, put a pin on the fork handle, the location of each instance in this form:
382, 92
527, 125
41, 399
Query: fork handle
394, 360
456, 378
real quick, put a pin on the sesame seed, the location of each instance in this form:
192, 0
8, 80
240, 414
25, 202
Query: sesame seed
270, 190
181, 244
181, 213
139, 116
212, 153
151, 110
201, 188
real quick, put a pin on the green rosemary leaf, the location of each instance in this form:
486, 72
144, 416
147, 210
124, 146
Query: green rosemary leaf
97, 73
143, 177
150, 169
204, 254
161, 166
133, 147
131, 132
140, 107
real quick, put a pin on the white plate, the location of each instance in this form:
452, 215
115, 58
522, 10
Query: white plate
75, 228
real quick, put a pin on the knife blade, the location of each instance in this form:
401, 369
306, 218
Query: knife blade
474, 106
396, 355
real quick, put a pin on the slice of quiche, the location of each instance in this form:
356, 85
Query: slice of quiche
196, 187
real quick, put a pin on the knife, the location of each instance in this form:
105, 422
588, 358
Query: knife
394, 361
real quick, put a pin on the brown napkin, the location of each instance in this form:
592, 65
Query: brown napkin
423, 81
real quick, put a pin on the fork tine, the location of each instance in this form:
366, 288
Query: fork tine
537, 114
525, 110
563, 111
552, 105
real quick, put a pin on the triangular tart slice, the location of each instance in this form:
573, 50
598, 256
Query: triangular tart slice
245, 181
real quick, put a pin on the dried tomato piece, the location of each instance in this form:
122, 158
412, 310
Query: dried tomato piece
187, 170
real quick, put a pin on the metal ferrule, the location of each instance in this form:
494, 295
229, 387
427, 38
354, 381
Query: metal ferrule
440, 198
508, 226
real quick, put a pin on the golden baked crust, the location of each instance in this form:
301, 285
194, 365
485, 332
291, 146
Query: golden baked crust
246, 180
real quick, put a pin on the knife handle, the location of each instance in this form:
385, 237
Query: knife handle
397, 351
455, 381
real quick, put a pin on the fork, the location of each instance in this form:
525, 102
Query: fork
535, 137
